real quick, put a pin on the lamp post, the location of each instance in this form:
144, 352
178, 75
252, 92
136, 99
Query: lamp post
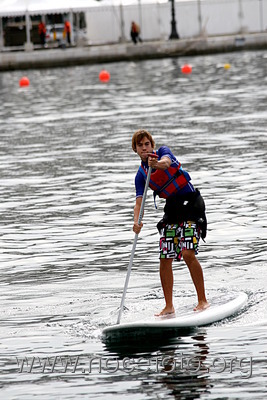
174, 34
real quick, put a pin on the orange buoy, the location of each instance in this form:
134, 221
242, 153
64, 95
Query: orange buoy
104, 76
24, 81
186, 69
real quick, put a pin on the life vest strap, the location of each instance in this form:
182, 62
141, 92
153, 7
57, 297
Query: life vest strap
177, 173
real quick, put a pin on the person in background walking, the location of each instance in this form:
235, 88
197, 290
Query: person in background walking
42, 32
67, 29
135, 33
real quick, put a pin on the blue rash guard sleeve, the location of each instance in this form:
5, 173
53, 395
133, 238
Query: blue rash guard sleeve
164, 151
139, 184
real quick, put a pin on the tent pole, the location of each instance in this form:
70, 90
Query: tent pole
199, 18
72, 30
1, 34
140, 15
123, 39
28, 44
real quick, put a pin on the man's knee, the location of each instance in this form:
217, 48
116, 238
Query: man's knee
166, 262
188, 256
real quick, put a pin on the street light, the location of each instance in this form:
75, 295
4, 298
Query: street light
174, 34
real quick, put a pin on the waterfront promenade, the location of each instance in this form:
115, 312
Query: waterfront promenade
59, 57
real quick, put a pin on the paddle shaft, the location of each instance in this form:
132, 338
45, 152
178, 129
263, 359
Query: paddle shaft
134, 246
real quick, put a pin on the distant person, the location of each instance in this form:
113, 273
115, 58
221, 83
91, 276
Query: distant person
42, 32
54, 33
67, 29
135, 33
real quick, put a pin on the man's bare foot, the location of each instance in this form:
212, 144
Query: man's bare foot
202, 305
166, 311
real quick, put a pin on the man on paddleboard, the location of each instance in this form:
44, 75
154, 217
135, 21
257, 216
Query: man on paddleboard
184, 220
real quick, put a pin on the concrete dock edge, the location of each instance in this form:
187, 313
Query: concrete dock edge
62, 57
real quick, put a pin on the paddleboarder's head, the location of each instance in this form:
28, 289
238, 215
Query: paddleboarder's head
143, 143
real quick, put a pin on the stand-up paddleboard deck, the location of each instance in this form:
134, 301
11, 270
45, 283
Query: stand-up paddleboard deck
221, 307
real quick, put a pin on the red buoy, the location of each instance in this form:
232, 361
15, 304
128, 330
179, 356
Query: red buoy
104, 76
186, 69
24, 81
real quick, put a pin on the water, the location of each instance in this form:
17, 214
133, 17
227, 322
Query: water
67, 197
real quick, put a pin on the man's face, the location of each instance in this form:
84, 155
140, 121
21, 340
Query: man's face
143, 148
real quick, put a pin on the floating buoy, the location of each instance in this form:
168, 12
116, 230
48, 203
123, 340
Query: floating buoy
104, 76
24, 81
227, 66
186, 69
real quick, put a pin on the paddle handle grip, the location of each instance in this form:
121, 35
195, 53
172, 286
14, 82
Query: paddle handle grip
153, 155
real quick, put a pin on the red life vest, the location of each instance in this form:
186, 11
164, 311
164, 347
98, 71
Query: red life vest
41, 28
67, 27
167, 182
135, 28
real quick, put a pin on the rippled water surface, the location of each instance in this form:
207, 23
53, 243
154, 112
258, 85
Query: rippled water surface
67, 195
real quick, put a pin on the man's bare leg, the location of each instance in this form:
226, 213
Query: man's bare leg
197, 278
166, 277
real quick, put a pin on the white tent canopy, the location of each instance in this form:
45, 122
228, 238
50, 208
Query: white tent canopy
10, 8
28, 8
130, 2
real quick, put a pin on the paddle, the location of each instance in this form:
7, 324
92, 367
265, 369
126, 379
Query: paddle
135, 241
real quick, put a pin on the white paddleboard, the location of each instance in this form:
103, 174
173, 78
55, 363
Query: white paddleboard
221, 307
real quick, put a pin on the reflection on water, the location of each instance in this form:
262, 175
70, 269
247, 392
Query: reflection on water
176, 365
67, 194
187, 376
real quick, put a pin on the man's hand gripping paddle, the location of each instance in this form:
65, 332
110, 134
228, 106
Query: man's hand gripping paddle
135, 240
